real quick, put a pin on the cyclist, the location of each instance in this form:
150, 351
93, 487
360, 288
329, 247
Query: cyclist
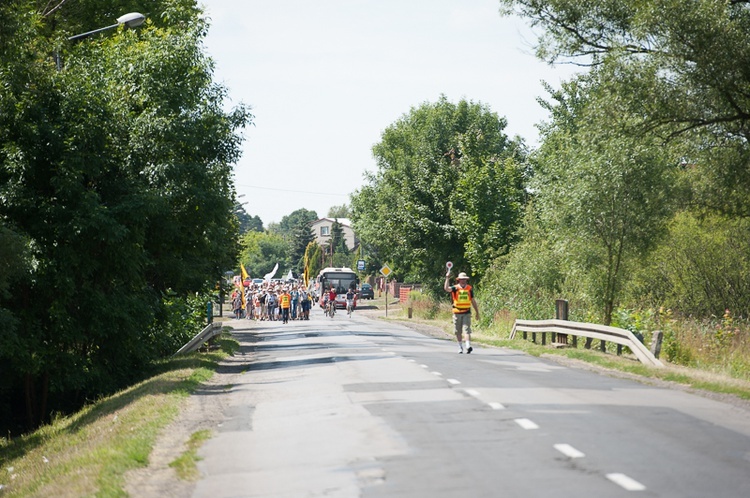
332, 302
350, 301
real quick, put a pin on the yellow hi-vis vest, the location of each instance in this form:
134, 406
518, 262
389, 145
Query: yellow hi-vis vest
285, 300
461, 299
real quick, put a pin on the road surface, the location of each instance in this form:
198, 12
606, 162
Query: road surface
348, 407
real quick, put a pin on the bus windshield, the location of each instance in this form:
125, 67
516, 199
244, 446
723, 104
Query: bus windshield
341, 279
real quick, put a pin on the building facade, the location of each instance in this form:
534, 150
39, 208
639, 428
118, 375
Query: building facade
323, 228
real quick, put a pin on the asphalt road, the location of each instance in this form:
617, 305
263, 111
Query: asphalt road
349, 407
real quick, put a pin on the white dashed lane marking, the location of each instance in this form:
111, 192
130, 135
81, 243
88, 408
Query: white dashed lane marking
436, 373
472, 392
626, 482
526, 424
496, 406
453, 381
568, 451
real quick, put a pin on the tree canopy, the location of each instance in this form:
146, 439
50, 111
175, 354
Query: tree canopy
449, 187
680, 68
115, 172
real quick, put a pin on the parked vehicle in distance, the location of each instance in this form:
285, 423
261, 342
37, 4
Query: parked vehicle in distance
366, 292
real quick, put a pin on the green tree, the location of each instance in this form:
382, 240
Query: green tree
313, 260
293, 221
342, 211
261, 251
295, 228
116, 168
247, 222
676, 67
449, 187
605, 196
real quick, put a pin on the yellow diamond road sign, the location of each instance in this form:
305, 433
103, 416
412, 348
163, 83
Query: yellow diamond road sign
385, 270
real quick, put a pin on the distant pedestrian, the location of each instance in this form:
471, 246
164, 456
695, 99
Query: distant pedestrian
295, 302
463, 300
237, 304
285, 301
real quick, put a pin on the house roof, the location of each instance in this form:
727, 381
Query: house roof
342, 221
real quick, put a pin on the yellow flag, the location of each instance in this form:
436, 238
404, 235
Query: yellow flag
245, 276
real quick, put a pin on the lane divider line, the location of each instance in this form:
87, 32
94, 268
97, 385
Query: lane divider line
625, 482
436, 373
526, 424
496, 406
424, 366
472, 392
453, 381
568, 451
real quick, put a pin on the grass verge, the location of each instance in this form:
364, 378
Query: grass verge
694, 378
88, 453
185, 464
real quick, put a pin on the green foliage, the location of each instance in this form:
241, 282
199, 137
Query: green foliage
116, 171
604, 194
247, 222
178, 320
424, 306
702, 268
295, 229
261, 251
527, 280
671, 71
448, 188
313, 261
342, 211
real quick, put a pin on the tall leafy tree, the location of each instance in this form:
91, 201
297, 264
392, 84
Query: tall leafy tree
339, 211
680, 69
261, 251
116, 168
449, 186
301, 237
604, 195
295, 228
313, 261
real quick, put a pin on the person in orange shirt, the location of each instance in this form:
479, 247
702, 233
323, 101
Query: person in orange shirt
285, 301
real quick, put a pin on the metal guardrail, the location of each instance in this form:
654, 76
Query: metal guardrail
592, 330
208, 333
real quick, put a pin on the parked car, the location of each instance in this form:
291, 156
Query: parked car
366, 292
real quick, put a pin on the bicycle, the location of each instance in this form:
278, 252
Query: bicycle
331, 308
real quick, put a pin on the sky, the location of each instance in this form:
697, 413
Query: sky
324, 79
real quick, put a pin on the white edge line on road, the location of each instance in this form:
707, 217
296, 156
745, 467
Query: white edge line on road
496, 406
453, 381
526, 424
568, 451
626, 482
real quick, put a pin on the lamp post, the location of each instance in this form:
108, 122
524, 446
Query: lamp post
131, 20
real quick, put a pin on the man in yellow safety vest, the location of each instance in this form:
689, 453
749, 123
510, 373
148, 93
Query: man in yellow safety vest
285, 301
463, 301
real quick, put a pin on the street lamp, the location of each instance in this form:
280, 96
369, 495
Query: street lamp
131, 20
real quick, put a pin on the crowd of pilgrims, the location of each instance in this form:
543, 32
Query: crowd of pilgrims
272, 302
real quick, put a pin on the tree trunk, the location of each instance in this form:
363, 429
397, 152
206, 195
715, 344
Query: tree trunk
30, 401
